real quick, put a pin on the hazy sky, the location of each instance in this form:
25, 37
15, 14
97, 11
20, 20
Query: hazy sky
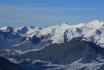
44, 13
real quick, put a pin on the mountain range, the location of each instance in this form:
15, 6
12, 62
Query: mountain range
59, 47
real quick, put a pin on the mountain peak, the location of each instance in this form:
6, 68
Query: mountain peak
95, 24
64, 23
5, 28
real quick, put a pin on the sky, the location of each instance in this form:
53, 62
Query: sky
43, 13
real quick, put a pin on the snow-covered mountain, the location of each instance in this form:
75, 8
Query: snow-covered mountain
92, 31
71, 47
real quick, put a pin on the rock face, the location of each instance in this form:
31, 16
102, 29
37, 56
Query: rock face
75, 54
7, 65
66, 53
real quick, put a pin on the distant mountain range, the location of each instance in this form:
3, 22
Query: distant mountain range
63, 47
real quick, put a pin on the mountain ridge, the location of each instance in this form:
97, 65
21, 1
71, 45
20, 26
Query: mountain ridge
92, 31
75, 47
